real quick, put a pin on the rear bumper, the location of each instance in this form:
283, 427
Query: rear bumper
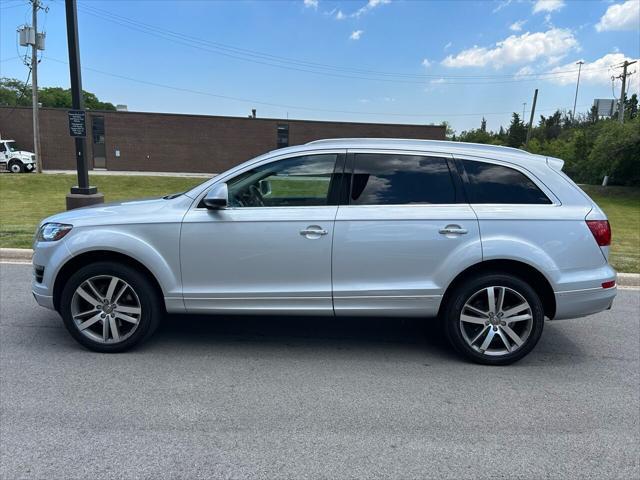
580, 303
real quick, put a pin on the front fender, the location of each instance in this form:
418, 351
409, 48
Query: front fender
156, 248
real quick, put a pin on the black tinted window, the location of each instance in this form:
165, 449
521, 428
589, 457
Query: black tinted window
386, 179
497, 184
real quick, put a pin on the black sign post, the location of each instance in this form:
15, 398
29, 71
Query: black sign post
82, 194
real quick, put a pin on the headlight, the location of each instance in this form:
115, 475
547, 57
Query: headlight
50, 232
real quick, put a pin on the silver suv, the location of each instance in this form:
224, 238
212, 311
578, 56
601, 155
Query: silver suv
490, 240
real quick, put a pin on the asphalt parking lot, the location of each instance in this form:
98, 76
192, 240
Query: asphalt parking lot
314, 398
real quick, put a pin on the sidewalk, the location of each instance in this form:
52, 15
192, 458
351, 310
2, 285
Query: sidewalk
132, 173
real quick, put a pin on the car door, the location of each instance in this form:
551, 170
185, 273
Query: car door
270, 250
403, 233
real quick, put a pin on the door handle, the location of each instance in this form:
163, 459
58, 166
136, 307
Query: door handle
313, 231
453, 230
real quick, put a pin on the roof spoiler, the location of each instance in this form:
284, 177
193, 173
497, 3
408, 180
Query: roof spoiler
555, 163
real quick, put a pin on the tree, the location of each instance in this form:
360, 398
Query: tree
517, 133
631, 107
14, 92
483, 125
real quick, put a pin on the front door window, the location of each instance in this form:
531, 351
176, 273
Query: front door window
294, 182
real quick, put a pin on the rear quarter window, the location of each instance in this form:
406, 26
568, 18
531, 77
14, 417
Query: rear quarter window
491, 183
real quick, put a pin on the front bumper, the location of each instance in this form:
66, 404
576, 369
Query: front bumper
43, 300
50, 255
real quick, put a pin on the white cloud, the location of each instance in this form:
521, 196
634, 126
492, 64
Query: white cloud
597, 72
340, 15
524, 72
371, 4
501, 5
622, 16
448, 46
547, 5
356, 34
311, 3
525, 48
437, 81
517, 26
426, 63
364, 100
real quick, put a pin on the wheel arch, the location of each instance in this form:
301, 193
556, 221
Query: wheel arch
93, 256
524, 271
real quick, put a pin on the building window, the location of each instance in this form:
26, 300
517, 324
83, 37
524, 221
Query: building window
283, 136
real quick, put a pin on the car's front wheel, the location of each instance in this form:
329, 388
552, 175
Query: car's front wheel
494, 319
110, 307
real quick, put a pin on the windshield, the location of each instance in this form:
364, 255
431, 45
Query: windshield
11, 146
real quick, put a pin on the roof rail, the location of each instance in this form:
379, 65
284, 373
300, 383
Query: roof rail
461, 145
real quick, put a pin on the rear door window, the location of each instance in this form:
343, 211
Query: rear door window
397, 179
491, 183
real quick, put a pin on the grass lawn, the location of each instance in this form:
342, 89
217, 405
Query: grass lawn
622, 206
26, 199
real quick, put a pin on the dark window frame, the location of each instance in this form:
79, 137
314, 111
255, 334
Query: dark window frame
467, 182
460, 196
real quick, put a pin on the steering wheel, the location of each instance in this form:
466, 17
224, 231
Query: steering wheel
256, 195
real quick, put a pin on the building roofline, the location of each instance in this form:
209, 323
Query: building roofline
270, 119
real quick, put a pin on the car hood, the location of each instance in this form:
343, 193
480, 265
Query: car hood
148, 210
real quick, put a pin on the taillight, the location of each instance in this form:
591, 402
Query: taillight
601, 231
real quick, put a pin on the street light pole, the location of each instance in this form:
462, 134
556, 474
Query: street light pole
82, 194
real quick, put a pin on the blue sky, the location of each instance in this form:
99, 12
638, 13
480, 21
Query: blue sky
363, 60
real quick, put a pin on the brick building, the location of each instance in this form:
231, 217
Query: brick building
180, 143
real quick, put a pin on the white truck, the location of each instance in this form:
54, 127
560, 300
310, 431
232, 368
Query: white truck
15, 160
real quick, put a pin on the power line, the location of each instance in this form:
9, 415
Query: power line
305, 66
280, 105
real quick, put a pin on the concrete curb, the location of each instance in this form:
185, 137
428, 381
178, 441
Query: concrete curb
25, 254
16, 254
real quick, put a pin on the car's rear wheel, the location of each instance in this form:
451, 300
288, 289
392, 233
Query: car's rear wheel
16, 166
109, 307
494, 319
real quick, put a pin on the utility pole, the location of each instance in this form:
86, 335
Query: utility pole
82, 194
624, 86
524, 108
575, 100
35, 6
533, 111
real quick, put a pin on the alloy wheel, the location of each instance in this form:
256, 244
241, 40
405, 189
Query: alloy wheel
496, 321
106, 309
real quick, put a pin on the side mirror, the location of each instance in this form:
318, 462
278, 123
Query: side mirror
217, 197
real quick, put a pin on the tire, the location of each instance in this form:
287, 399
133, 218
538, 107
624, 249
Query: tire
487, 337
132, 315
16, 166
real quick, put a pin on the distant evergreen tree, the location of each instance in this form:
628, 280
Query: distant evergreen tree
517, 132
